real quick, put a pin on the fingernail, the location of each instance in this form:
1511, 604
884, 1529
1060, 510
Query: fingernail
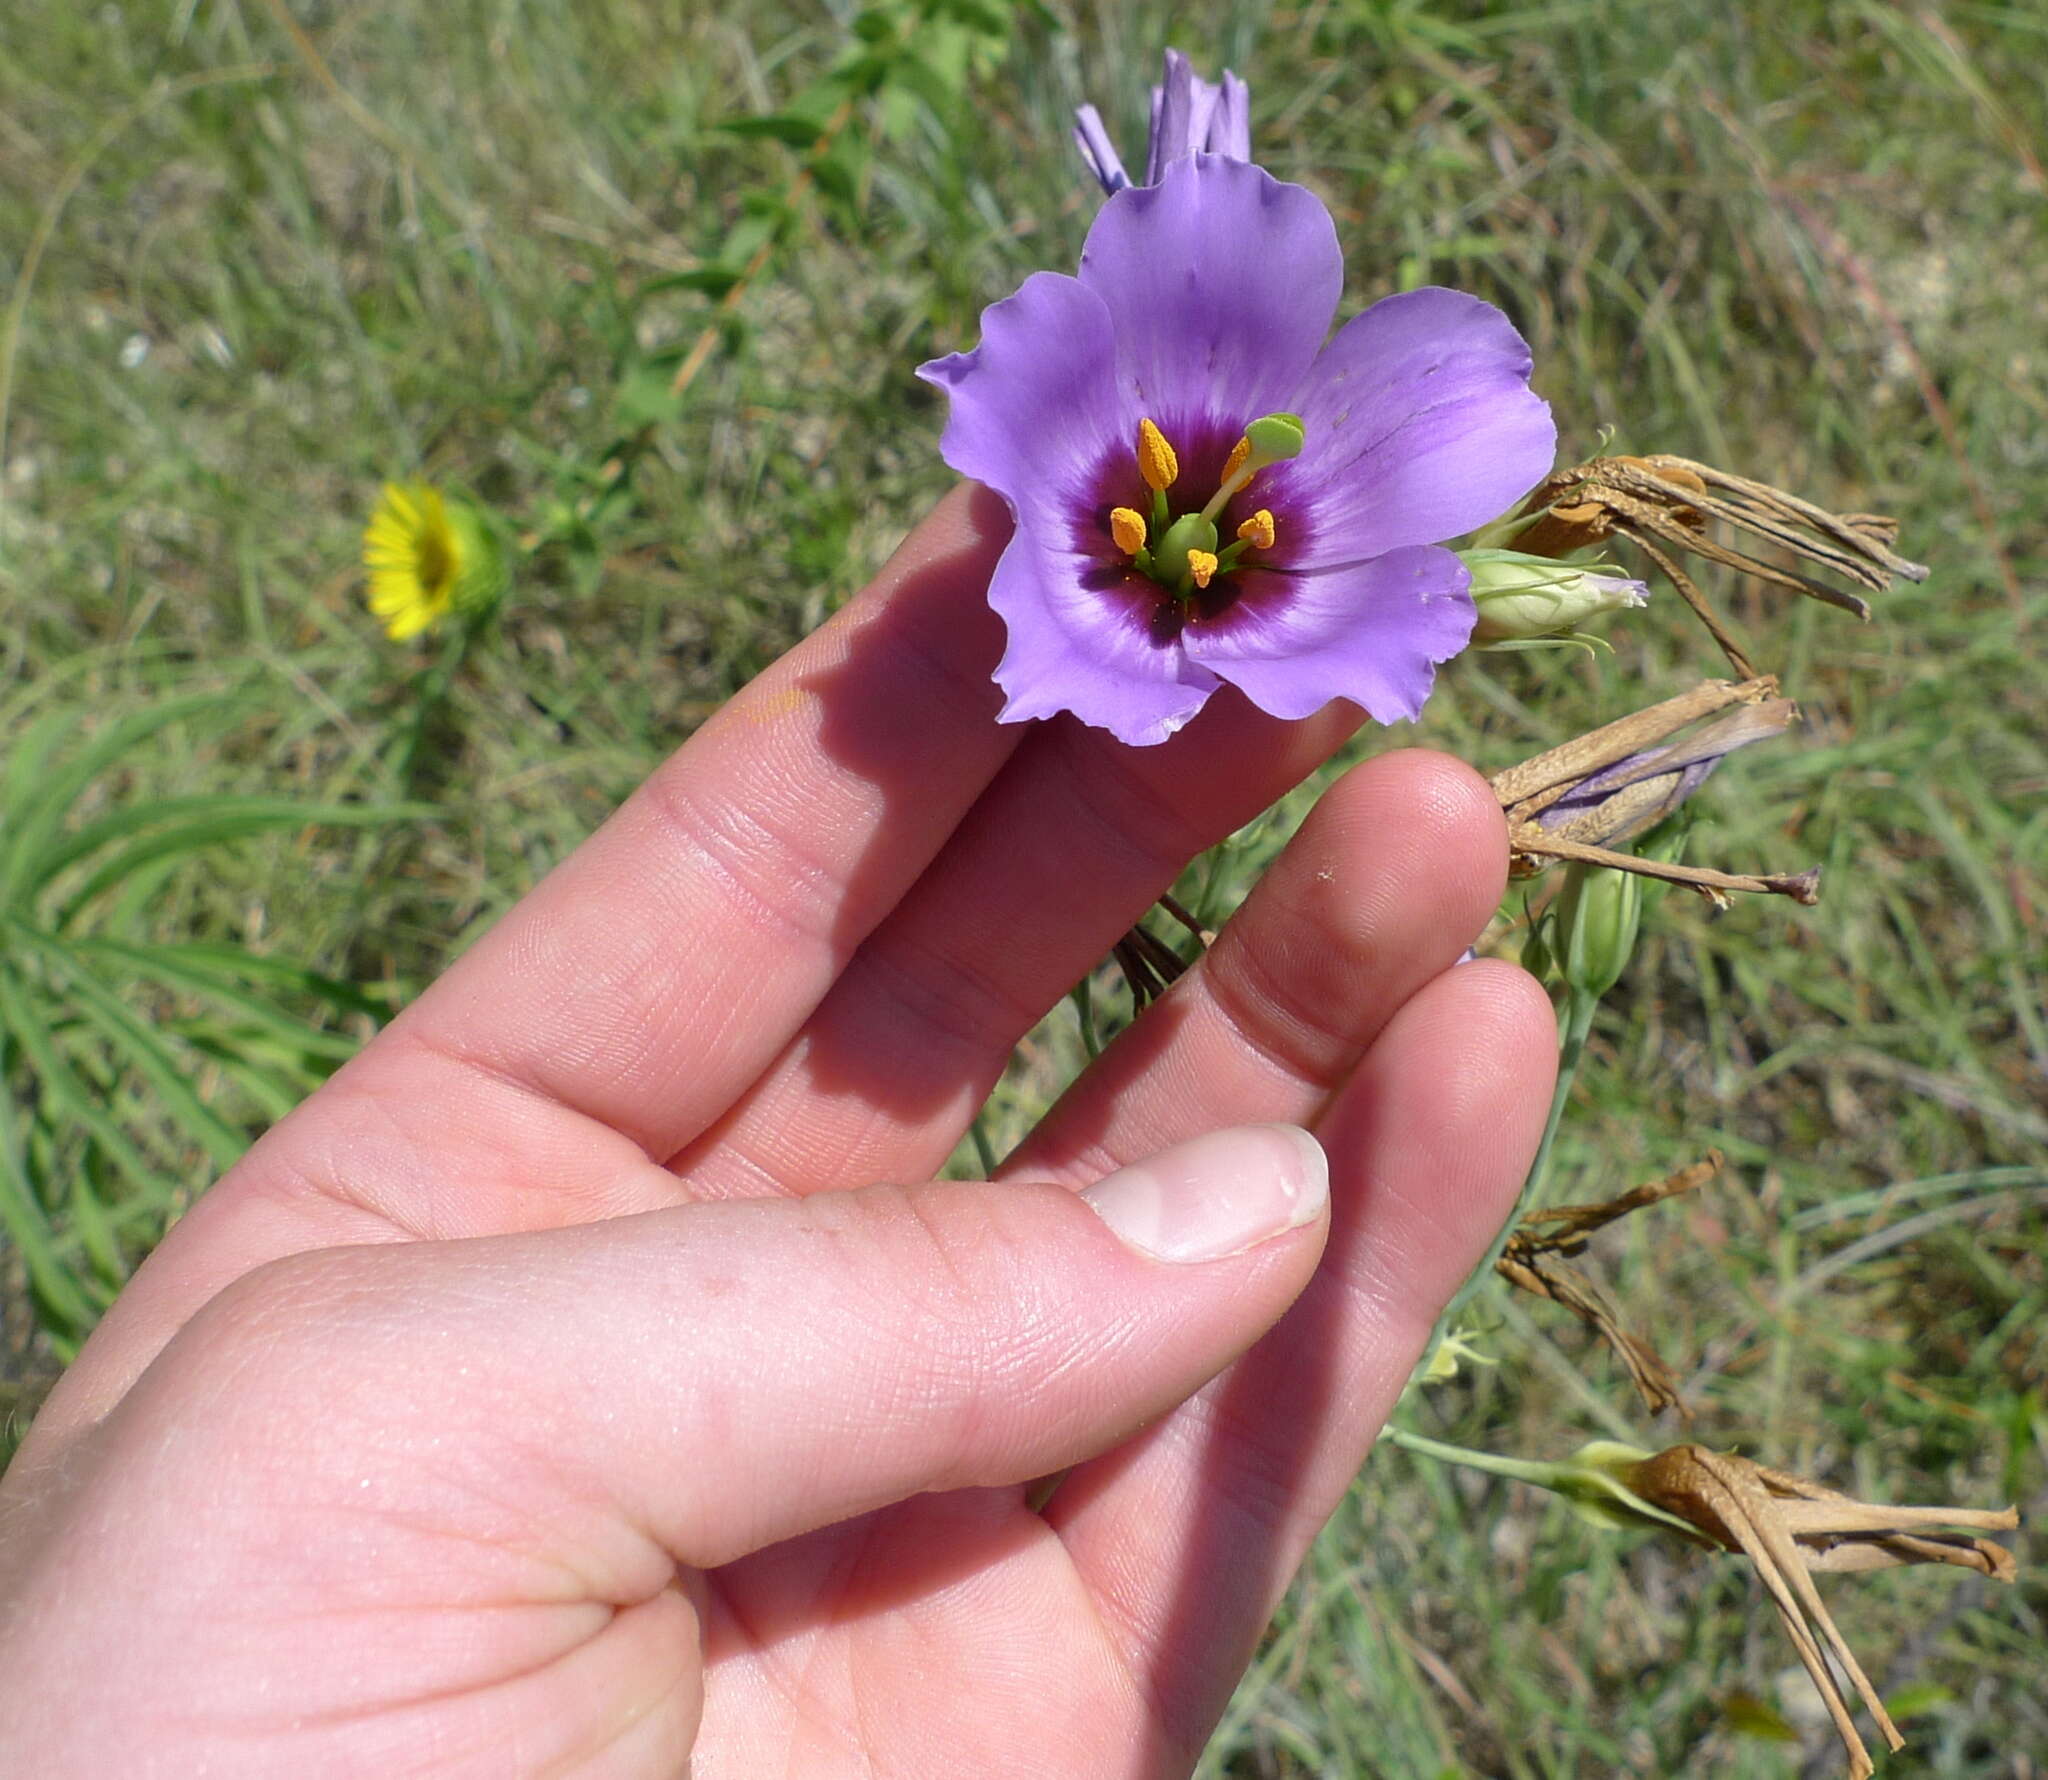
1217, 1195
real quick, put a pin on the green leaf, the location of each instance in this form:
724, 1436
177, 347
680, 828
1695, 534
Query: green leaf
193, 822
274, 1093
875, 25
96, 1232
1749, 1716
710, 281
238, 814
1917, 1698
164, 965
69, 1094
646, 398
790, 127
838, 174
37, 804
150, 1057
28, 776
28, 1229
223, 960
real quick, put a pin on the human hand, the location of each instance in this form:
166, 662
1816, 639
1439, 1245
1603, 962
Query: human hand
553, 1393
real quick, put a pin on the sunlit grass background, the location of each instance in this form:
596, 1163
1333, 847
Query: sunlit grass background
255, 271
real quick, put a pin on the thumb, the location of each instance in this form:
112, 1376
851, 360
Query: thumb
729, 1375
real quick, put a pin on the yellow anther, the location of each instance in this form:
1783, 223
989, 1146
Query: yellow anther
1156, 462
1128, 528
1201, 565
1235, 461
1257, 531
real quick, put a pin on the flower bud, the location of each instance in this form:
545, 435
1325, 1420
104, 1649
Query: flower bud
1594, 926
1522, 596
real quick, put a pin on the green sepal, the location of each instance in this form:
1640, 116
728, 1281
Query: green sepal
481, 584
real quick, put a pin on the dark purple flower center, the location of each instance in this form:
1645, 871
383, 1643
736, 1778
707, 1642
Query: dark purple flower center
1167, 529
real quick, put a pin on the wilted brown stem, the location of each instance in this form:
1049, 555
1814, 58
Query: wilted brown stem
1532, 1261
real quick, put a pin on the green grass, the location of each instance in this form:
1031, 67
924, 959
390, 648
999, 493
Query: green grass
1803, 240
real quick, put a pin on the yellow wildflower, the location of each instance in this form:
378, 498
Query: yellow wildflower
427, 556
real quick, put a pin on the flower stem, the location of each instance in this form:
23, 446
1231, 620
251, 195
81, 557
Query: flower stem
429, 696
1522, 1470
984, 1151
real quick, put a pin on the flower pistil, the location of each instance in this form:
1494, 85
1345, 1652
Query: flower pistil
1182, 554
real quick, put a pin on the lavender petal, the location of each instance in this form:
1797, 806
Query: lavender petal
1035, 404
1073, 649
1220, 283
1092, 139
1421, 426
1371, 632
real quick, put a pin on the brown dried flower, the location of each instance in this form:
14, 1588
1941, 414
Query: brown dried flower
1664, 504
1616, 780
1789, 1528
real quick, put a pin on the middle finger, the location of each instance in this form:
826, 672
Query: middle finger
1074, 840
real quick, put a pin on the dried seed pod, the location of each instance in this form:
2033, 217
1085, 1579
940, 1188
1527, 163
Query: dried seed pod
1615, 781
1788, 1528
1665, 504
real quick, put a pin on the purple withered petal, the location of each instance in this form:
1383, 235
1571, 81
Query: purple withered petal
1371, 632
1422, 426
1621, 801
1092, 139
1220, 283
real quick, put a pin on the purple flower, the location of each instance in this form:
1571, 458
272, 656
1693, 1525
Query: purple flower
1205, 490
1189, 116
